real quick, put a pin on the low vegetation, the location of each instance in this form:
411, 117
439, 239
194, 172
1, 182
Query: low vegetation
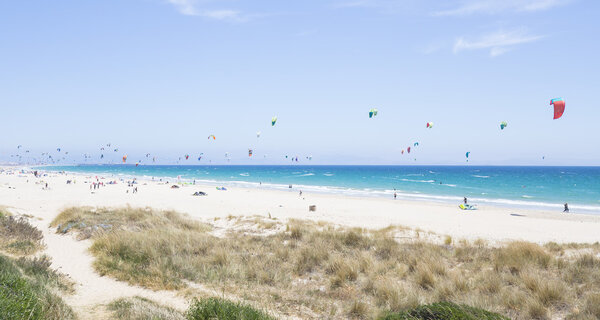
214, 308
137, 308
29, 288
17, 236
317, 270
446, 311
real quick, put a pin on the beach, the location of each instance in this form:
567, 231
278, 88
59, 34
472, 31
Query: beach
23, 193
26, 193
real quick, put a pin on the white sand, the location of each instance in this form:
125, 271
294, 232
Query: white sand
25, 194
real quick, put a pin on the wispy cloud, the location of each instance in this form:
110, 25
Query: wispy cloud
186, 7
498, 43
192, 8
469, 7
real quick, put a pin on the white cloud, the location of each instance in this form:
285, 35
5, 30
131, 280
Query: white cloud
191, 8
498, 43
187, 7
469, 7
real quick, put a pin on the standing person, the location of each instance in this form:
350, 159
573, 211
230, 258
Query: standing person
465, 200
300, 193
566, 208
395, 195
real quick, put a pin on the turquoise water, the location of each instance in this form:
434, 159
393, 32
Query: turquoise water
535, 187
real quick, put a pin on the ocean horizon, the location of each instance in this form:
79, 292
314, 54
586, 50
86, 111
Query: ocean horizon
534, 187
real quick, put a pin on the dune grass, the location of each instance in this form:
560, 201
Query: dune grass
137, 308
215, 308
316, 270
18, 237
446, 311
28, 286
27, 290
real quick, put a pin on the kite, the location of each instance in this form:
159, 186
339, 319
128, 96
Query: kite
273, 121
416, 144
258, 134
503, 125
212, 136
429, 125
372, 113
124, 158
467, 155
187, 156
249, 152
402, 152
559, 107
408, 149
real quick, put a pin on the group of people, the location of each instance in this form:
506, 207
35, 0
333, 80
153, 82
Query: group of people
96, 185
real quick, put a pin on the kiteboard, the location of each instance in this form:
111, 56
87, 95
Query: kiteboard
467, 207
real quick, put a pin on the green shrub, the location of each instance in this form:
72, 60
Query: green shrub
444, 311
17, 299
28, 298
219, 309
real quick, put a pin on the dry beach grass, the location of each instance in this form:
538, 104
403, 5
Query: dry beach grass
318, 270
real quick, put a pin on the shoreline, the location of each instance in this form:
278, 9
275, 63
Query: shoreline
516, 204
495, 224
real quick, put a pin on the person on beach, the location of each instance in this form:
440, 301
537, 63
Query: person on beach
566, 208
300, 193
465, 200
395, 195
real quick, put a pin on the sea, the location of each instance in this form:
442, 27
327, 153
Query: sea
532, 187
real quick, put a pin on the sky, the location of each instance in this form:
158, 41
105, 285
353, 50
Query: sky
159, 76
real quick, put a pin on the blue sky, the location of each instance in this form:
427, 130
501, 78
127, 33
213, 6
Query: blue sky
159, 76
